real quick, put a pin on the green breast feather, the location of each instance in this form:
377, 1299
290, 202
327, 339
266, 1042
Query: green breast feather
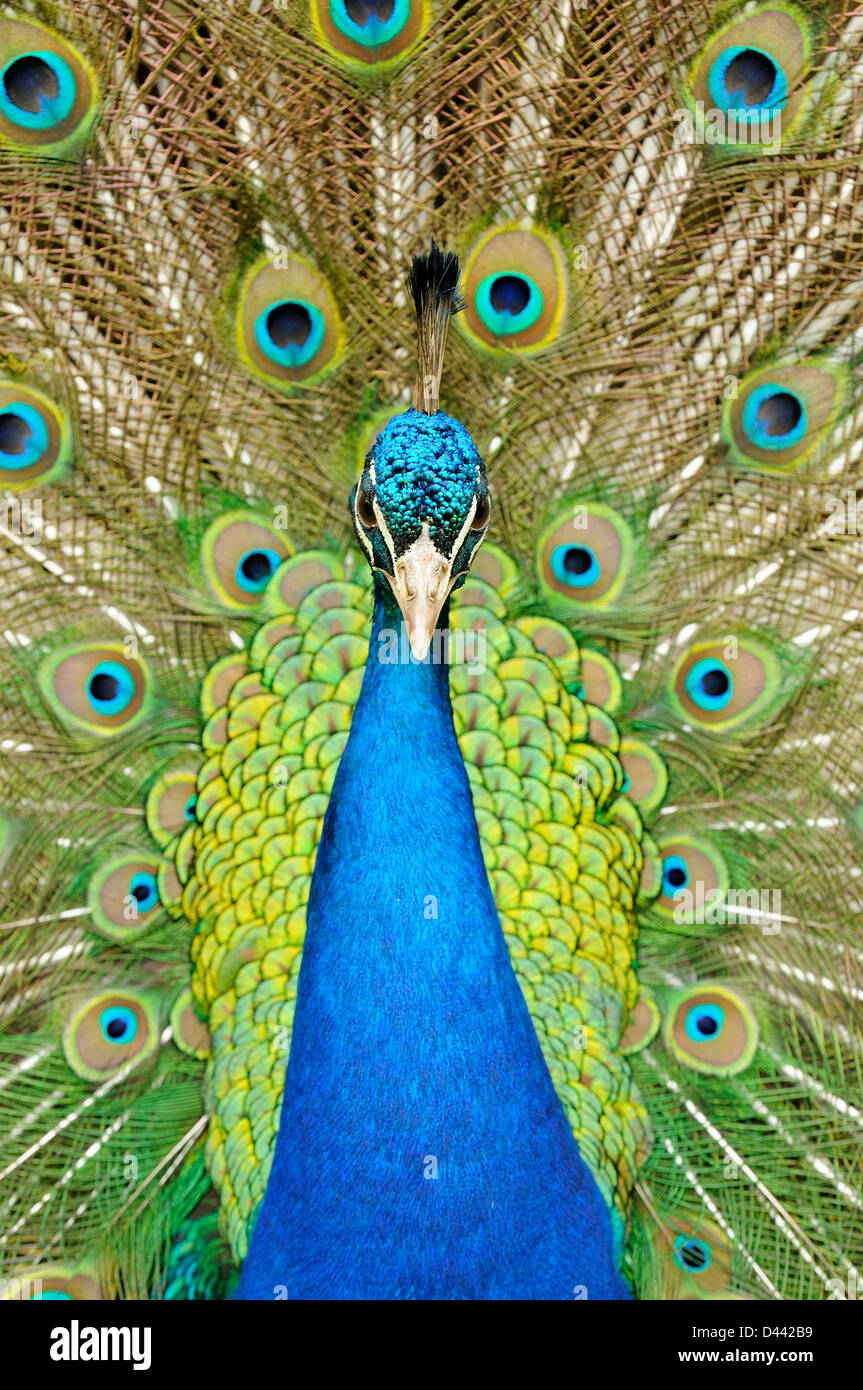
563, 846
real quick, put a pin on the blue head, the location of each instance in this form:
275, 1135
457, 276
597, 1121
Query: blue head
421, 510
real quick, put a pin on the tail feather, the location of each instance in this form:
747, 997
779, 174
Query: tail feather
684, 286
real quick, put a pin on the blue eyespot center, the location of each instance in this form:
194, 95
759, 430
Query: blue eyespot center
37, 90
709, 684
692, 1254
747, 79
23, 435
119, 1024
14, 433
675, 874
190, 808
289, 323
371, 23
110, 688
625, 784
575, 566
144, 890
52, 1295
509, 294
290, 332
704, 1022
256, 568
774, 417
509, 303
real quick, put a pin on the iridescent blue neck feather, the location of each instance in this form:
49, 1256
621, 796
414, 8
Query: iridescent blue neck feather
422, 1152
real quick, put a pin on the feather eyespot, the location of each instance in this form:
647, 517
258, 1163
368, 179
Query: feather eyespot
37, 90
109, 1032
709, 684
774, 417
704, 1021
45, 1283
508, 304
585, 556
642, 1025
35, 442
745, 76
240, 553
255, 569
111, 688
288, 327
754, 72
290, 332
96, 686
119, 1025
675, 875
189, 1033
575, 566
712, 1030
370, 33
700, 1256
694, 879
123, 894
782, 413
143, 888
692, 1254
727, 684
645, 775
515, 290
172, 801
48, 93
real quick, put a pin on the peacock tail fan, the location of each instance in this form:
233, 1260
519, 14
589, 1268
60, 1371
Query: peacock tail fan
655, 664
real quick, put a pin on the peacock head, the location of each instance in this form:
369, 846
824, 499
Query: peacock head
421, 510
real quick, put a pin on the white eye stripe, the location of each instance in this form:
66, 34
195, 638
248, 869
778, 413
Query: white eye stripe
382, 525
360, 530
464, 531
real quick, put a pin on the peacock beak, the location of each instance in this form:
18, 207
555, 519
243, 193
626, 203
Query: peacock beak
422, 583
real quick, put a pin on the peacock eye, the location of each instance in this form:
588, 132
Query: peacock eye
365, 510
110, 688
144, 889
482, 514
119, 1025
693, 1254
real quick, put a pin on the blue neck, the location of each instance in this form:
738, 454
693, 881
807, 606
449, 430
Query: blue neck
422, 1149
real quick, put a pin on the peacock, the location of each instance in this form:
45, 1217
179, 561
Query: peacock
432, 778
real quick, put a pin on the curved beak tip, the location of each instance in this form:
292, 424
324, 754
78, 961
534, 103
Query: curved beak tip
420, 640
